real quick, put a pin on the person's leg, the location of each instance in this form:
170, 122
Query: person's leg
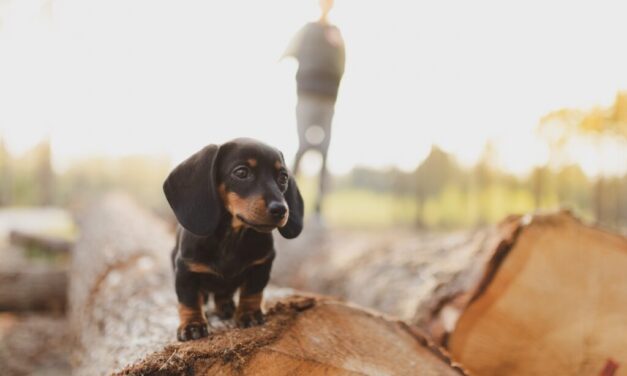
322, 183
303, 110
299, 155
326, 111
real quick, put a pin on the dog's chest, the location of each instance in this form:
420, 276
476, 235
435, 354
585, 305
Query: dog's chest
232, 256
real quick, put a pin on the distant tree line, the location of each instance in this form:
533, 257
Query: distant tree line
448, 195
31, 180
439, 193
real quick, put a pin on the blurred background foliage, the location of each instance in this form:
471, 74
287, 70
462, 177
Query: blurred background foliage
440, 193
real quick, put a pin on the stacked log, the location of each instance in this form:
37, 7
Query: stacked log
552, 301
123, 313
535, 295
399, 273
120, 305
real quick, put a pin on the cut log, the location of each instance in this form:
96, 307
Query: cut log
123, 310
46, 243
553, 301
121, 301
306, 336
399, 273
535, 295
35, 288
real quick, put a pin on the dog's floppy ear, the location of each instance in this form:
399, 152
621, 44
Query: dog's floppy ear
192, 193
294, 200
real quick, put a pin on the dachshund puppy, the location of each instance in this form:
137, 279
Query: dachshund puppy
227, 200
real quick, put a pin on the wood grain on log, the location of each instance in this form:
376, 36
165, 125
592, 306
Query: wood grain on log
552, 301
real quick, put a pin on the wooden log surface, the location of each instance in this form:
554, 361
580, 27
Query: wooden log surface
552, 301
534, 295
123, 313
119, 306
33, 288
306, 336
401, 273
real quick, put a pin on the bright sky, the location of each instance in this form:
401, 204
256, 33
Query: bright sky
169, 76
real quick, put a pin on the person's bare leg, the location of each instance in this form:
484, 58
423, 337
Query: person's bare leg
322, 183
297, 159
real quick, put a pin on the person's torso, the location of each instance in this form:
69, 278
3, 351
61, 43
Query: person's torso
321, 49
320, 59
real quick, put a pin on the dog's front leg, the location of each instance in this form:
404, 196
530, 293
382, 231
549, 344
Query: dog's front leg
248, 311
193, 324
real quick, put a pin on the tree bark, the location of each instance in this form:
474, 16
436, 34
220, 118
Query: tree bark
395, 272
123, 313
33, 289
121, 305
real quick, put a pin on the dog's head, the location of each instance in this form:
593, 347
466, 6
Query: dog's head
243, 179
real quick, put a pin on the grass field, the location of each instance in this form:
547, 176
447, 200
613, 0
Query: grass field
451, 209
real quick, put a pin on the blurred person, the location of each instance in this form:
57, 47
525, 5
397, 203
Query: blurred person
319, 49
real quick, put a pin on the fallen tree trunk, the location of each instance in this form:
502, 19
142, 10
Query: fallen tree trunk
123, 312
120, 303
399, 273
34, 288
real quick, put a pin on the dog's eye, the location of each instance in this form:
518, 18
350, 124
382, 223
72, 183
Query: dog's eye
241, 172
283, 178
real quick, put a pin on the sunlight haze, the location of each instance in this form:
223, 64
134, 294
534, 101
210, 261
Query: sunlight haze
123, 77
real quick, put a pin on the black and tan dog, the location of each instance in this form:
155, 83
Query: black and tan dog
228, 199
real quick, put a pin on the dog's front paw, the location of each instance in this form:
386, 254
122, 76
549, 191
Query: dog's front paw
248, 319
192, 330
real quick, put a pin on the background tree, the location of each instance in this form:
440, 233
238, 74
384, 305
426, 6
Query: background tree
606, 129
5, 175
431, 177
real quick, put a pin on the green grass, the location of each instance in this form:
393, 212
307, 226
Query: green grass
452, 208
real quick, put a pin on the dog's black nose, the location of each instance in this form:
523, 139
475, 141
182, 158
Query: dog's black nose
277, 209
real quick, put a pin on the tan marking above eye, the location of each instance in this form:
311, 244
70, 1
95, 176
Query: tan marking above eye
252, 162
278, 165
